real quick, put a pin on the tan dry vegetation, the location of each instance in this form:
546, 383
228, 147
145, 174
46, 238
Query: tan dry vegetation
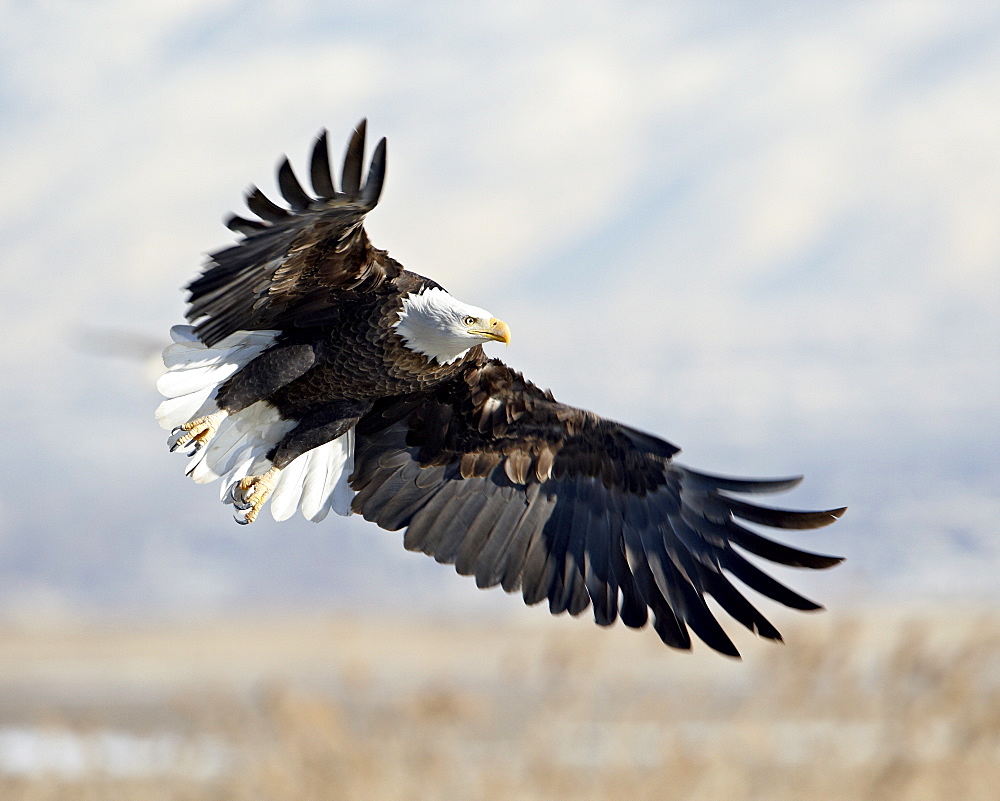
884, 706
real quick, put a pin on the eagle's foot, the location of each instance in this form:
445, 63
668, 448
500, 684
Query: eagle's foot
197, 433
250, 494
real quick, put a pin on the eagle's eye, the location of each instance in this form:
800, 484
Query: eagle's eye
469, 321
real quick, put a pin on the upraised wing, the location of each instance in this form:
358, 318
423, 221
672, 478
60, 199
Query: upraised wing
290, 264
493, 475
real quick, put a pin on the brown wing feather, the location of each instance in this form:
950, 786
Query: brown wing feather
494, 475
291, 263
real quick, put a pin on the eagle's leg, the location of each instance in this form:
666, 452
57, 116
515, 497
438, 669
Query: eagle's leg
317, 428
255, 381
198, 432
264, 375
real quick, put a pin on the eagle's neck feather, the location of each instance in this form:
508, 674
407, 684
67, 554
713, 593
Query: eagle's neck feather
428, 325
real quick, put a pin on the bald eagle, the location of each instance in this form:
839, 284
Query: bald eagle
320, 375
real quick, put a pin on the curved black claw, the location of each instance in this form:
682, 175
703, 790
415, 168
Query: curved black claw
195, 434
237, 497
251, 499
188, 445
189, 448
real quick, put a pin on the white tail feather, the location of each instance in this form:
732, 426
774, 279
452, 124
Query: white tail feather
177, 411
288, 491
341, 493
316, 480
313, 482
183, 333
180, 382
325, 486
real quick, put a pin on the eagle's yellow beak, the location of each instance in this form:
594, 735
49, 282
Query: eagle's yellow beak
498, 331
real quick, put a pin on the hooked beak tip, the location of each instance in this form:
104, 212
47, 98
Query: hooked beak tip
499, 331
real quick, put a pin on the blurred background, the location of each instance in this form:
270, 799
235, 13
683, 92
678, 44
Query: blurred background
769, 233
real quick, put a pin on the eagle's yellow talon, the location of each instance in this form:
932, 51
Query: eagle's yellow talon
255, 491
198, 432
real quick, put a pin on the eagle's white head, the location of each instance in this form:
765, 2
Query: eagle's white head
435, 324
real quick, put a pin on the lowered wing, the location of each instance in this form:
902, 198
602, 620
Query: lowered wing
491, 474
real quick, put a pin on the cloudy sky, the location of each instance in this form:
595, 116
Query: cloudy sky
768, 232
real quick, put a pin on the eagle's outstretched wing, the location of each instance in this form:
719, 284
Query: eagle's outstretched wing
290, 264
492, 474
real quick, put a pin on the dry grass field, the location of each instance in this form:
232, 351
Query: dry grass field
882, 706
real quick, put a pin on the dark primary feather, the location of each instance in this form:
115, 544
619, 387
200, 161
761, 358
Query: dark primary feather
614, 523
319, 169
293, 263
